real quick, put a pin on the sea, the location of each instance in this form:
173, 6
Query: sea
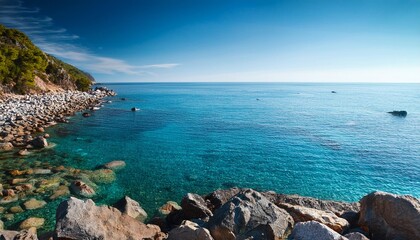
333, 141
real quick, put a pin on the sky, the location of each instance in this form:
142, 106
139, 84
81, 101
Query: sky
227, 41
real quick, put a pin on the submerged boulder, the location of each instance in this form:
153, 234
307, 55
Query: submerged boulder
82, 189
77, 219
387, 216
115, 165
249, 215
32, 222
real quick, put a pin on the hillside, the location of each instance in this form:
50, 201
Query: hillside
25, 68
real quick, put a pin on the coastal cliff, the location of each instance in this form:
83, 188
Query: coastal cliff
24, 68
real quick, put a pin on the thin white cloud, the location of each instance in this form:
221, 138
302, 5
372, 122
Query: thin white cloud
60, 43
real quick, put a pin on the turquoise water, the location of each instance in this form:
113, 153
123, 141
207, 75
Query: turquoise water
296, 138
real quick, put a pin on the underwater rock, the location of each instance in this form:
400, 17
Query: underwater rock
102, 176
82, 189
34, 204
16, 209
115, 165
61, 191
23, 152
32, 222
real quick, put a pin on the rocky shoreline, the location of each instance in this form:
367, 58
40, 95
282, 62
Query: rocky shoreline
26, 116
236, 214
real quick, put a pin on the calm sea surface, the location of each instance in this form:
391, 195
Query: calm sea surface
290, 138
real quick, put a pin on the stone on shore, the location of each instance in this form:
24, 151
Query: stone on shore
387, 216
194, 206
189, 231
314, 230
32, 222
82, 189
249, 215
6, 146
356, 236
132, 208
169, 207
115, 165
39, 142
77, 219
304, 214
34, 204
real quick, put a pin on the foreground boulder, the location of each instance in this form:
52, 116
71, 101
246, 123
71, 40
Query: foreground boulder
249, 215
314, 230
194, 206
132, 208
189, 231
388, 216
28, 234
77, 219
303, 214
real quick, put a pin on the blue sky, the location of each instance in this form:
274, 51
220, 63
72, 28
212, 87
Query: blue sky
212, 40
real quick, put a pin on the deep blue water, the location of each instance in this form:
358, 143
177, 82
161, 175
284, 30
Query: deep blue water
297, 138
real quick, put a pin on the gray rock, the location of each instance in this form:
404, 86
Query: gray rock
389, 216
356, 236
249, 215
194, 206
77, 219
189, 231
219, 197
132, 208
314, 230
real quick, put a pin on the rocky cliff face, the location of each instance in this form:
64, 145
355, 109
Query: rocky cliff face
24, 68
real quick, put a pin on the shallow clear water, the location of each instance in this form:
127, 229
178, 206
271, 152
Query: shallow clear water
296, 138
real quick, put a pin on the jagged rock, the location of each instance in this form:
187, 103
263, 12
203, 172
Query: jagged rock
39, 142
169, 207
77, 219
334, 206
249, 215
399, 113
34, 204
6, 146
189, 231
314, 230
82, 189
132, 208
32, 222
356, 236
220, 197
304, 214
194, 206
389, 216
115, 165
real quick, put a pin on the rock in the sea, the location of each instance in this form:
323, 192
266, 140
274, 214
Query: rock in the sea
34, 204
77, 219
61, 191
189, 231
169, 207
388, 216
102, 176
356, 236
132, 208
23, 152
32, 222
6, 146
314, 230
220, 197
399, 113
304, 214
39, 142
82, 189
249, 215
16, 209
115, 165
194, 206
41, 171
86, 114
135, 109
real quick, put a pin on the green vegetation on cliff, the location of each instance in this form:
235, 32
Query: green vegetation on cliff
21, 61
